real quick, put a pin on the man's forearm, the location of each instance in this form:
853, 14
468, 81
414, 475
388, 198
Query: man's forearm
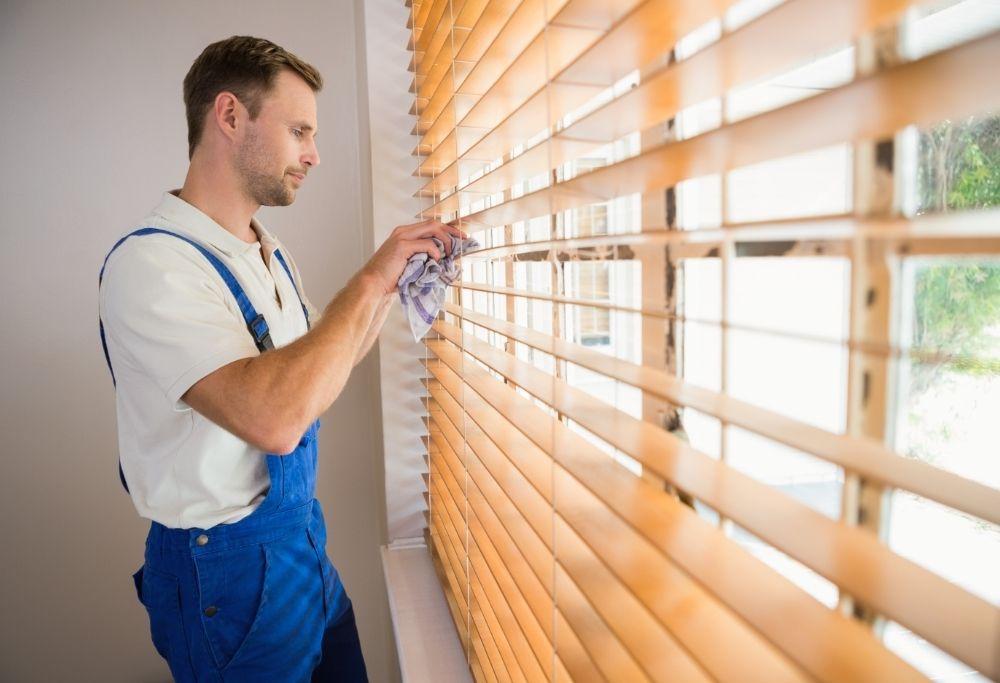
373, 330
269, 400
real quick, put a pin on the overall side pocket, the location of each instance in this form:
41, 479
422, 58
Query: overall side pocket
160, 594
231, 595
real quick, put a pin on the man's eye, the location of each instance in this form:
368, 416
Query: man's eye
296, 132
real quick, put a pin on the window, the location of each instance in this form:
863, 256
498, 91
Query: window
732, 340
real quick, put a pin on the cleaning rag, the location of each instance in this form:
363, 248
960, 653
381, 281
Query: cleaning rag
424, 280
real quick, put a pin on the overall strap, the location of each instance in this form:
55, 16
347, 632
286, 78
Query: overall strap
255, 321
281, 260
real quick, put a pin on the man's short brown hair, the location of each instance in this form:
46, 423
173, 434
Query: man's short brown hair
243, 65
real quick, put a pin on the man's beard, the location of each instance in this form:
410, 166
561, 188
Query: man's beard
259, 183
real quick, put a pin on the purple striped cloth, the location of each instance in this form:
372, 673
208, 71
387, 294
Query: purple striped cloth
423, 283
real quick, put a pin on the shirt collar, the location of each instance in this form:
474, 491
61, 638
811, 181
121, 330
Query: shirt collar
200, 226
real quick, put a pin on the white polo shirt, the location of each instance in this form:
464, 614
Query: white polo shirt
169, 320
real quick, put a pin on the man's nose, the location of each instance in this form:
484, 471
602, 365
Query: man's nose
311, 158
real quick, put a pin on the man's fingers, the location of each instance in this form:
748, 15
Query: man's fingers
435, 229
455, 231
424, 230
414, 230
425, 245
426, 221
422, 225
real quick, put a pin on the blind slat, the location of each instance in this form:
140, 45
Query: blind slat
862, 456
534, 549
533, 507
487, 50
571, 650
906, 592
801, 627
809, 26
537, 593
438, 10
529, 625
862, 346
480, 637
868, 108
435, 68
572, 653
520, 660
531, 106
420, 13
486, 498
492, 628
628, 619
975, 228
466, 15
558, 45
704, 626
604, 648
512, 68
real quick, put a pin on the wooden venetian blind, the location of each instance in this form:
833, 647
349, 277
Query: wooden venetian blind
583, 537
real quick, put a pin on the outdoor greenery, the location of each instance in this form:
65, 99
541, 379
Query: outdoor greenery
956, 304
959, 165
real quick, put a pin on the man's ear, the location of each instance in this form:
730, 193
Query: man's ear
227, 113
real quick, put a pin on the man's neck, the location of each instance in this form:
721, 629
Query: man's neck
216, 193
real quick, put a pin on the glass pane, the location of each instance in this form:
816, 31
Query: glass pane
805, 478
704, 432
946, 413
801, 377
935, 664
946, 416
810, 184
701, 334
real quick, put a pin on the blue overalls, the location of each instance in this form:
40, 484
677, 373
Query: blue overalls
257, 600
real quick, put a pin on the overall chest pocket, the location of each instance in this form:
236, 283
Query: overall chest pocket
232, 592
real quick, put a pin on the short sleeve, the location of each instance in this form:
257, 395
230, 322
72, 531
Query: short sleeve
168, 312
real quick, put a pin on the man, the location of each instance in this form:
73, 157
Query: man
222, 367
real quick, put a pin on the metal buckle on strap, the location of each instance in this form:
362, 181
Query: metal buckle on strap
261, 334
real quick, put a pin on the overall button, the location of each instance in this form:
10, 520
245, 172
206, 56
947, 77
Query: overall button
201, 540
210, 611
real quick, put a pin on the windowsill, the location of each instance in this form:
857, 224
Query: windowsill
426, 640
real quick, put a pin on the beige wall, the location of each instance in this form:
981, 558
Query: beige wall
91, 132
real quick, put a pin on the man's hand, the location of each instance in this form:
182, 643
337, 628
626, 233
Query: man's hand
387, 264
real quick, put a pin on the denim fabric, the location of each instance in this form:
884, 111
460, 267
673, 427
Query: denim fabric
257, 600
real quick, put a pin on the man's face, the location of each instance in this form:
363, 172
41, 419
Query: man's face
279, 147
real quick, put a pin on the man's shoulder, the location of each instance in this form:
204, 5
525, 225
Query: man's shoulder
155, 245
146, 267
